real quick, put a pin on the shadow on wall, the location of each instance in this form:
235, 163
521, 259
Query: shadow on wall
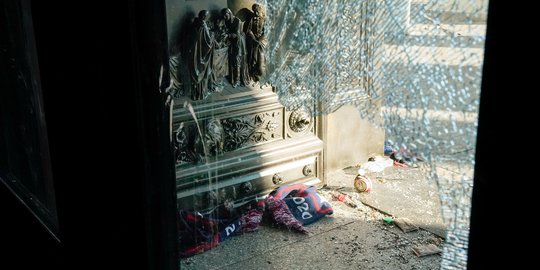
181, 33
237, 5
244, 14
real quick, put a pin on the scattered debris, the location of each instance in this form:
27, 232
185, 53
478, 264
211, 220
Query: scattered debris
346, 199
405, 224
387, 148
377, 164
381, 180
406, 157
388, 220
398, 164
426, 250
362, 183
436, 240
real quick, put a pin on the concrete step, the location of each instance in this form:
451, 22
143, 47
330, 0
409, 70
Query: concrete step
436, 41
446, 56
427, 12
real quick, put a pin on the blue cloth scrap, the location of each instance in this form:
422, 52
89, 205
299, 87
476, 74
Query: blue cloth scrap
305, 203
387, 148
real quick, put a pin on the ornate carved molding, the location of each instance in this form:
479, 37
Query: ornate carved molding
252, 129
277, 179
299, 122
219, 136
192, 146
307, 170
218, 52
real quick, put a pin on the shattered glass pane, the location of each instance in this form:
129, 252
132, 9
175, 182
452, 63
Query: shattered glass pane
413, 67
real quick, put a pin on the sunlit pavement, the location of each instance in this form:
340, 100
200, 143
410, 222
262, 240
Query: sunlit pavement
358, 238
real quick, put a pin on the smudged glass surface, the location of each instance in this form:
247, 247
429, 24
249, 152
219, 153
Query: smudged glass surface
413, 67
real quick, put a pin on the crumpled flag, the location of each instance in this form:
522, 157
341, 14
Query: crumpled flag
250, 221
282, 214
198, 232
304, 202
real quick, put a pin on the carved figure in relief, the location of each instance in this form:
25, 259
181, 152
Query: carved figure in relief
256, 43
237, 49
202, 75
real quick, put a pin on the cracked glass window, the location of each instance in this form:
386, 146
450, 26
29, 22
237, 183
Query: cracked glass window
383, 90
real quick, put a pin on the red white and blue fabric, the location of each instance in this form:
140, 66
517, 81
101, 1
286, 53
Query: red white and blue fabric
290, 205
199, 232
305, 203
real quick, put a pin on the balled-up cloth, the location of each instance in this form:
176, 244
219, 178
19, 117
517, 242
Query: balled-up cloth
291, 206
304, 202
282, 215
198, 232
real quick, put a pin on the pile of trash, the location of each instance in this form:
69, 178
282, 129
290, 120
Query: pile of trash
398, 158
289, 206
377, 164
401, 157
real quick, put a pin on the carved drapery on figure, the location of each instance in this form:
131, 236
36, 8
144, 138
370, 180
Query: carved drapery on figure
221, 48
238, 71
202, 57
256, 43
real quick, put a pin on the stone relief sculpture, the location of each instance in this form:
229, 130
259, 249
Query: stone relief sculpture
256, 43
225, 135
201, 54
212, 52
190, 146
219, 50
238, 72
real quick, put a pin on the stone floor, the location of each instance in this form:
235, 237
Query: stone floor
349, 238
